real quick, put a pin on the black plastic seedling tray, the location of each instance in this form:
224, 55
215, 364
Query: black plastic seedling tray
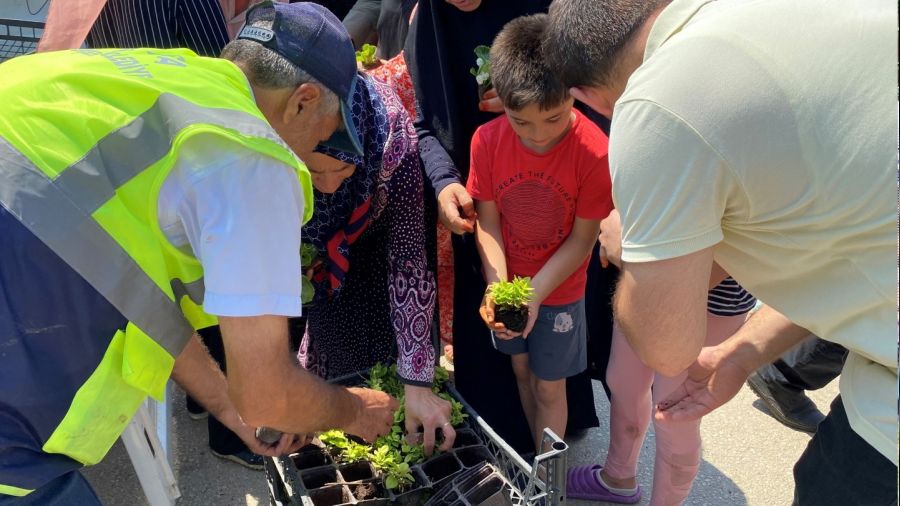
480, 469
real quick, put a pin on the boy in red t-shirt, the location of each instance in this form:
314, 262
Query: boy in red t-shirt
540, 179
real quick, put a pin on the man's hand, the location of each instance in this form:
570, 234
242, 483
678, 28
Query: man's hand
451, 200
714, 379
374, 413
287, 444
611, 240
428, 412
490, 102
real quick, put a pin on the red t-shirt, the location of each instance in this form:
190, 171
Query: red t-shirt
540, 194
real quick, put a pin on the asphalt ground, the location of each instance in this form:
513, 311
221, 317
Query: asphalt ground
747, 460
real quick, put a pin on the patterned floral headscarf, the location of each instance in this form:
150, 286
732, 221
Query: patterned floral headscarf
341, 217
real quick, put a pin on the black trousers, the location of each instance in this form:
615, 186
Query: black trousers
810, 365
840, 468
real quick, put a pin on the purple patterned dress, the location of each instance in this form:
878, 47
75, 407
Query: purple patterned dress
374, 293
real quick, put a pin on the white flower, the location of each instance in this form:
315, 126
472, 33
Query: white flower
481, 78
479, 62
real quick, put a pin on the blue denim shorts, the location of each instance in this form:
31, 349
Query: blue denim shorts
556, 346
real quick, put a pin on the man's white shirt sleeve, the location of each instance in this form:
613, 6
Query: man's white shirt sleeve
240, 212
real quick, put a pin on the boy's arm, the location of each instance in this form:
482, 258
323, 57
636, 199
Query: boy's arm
562, 264
489, 239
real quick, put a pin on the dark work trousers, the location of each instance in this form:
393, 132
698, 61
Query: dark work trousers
69, 489
839, 467
810, 365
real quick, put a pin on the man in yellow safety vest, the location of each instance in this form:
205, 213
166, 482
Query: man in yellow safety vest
145, 194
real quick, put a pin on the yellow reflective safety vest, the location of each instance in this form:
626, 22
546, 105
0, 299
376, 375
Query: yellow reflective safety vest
87, 138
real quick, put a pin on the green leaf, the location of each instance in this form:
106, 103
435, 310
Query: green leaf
391, 482
308, 254
307, 290
366, 55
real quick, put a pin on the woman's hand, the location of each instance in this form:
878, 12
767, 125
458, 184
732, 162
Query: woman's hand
428, 412
451, 200
490, 102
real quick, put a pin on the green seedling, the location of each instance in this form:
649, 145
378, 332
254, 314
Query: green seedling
482, 69
366, 55
517, 292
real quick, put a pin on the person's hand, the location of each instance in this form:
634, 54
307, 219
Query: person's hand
286, 444
451, 200
490, 102
428, 412
374, 413
714, 379
534, 307
487, 314
611, 240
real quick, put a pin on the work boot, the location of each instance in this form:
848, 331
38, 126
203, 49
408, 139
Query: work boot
789, 406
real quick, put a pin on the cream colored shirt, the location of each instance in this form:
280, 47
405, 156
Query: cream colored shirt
768, 129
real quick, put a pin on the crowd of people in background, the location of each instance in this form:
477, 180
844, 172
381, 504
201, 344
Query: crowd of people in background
668, 161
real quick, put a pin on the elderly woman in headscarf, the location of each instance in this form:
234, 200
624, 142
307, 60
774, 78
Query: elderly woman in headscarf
374, 294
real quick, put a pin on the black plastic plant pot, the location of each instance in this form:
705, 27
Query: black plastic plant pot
474, 456
412, 497
466, 437
441, 469
310, 456
330, 496
513, 317
414, 494
367, 490
356, 471
493, 491
319, 477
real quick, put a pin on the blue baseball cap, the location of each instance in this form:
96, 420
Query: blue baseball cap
312, 38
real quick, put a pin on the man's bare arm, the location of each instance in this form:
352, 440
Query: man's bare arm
197, 373
720, 371
661, 307
270, 389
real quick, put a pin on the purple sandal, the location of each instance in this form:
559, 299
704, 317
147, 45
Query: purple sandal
581, 483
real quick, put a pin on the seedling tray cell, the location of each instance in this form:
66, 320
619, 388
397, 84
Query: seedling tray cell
472, 456
356, 471
466, 437
331, 496
310, 456
319, 477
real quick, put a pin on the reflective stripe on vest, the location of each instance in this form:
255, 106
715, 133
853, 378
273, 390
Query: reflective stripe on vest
14, 491
83, 175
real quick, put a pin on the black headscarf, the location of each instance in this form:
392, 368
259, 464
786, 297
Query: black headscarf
439, 53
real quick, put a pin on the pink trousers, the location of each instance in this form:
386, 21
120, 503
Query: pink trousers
635, 391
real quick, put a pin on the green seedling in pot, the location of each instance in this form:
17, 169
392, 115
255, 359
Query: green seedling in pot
511, 300
482, 69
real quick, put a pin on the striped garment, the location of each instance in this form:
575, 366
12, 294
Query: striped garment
728, 298
198, 25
